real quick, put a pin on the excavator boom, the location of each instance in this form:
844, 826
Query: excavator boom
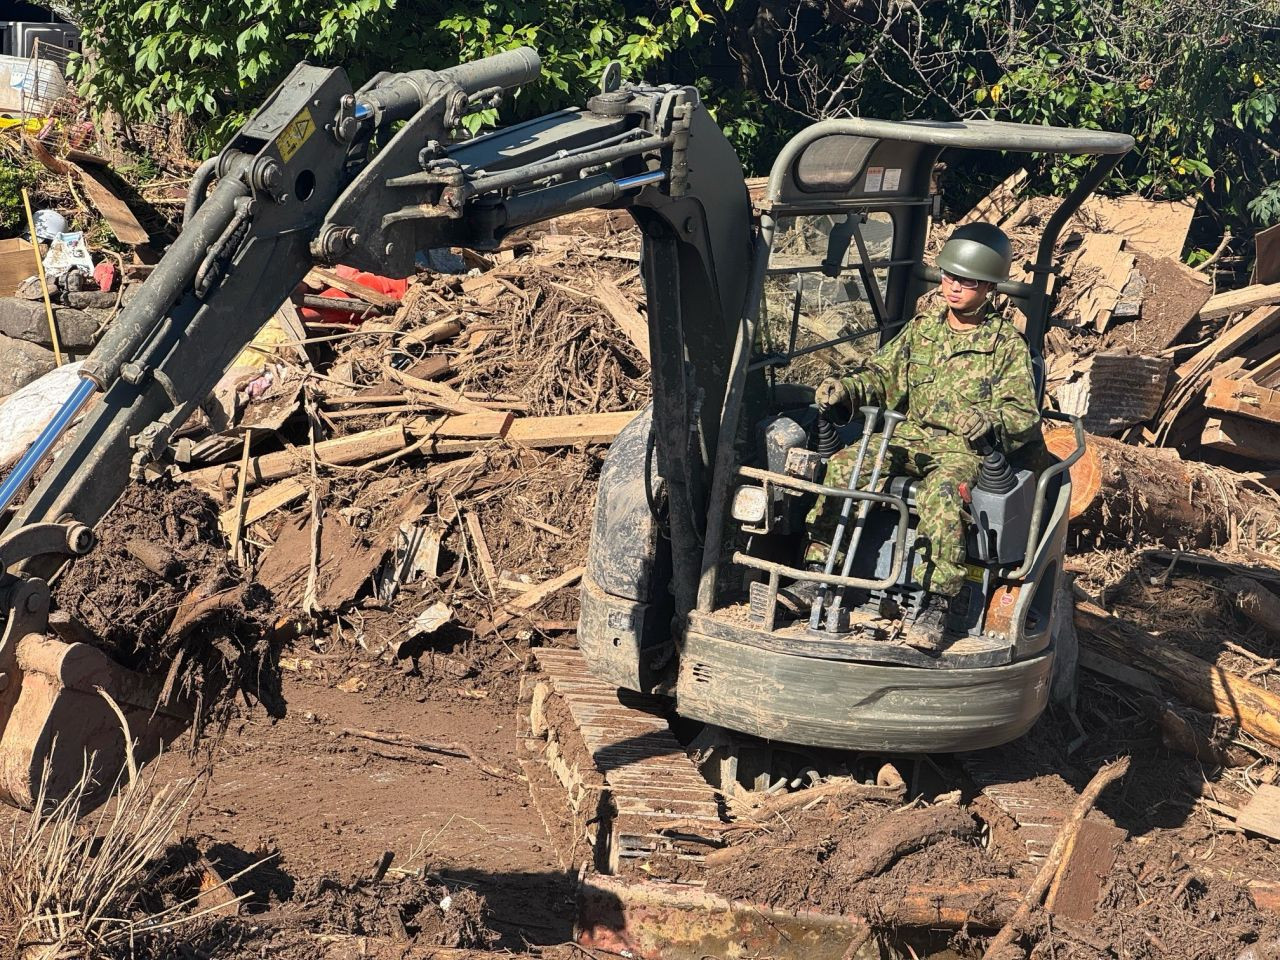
324, 173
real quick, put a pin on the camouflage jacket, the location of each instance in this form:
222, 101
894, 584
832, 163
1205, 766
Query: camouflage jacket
932, 373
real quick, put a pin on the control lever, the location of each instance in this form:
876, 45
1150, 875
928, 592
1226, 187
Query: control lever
870, 415
995, 474
891, 420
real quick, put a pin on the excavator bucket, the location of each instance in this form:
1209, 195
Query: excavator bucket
61, 728
65, 707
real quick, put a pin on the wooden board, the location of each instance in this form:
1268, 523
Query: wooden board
475, 426
626, 316
1086, 864
1262, 813
327, 278
481, 547
568, 430
1104, 266
1261, 323
273, 498
1266, 265
353, 448
1229, 395
1156, 227
17, 262
1244, 438
114, 210
997, 205
1237, 301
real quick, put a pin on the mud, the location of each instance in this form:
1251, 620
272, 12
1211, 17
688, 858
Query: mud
842, 859
160, 596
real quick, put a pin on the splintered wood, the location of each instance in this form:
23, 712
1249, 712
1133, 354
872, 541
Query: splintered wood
452, 449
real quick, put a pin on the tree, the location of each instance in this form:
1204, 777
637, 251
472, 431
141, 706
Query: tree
1194, 81
215, 62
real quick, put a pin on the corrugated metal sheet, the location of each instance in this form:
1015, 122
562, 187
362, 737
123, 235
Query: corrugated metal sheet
1124, 389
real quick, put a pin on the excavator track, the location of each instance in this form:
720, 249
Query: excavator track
633, 793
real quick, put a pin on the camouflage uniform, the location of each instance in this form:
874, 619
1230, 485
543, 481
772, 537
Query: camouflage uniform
936, 373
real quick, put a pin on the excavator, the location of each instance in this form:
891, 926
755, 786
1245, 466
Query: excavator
697, 524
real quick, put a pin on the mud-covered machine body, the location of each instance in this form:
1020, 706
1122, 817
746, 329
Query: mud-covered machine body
692, 603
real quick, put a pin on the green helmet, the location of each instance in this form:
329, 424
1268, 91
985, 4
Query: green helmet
977, 251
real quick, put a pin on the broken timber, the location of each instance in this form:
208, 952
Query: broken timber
1197, 682
1235, 301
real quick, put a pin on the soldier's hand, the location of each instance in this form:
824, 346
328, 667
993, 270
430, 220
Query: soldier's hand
974, 423
833, 396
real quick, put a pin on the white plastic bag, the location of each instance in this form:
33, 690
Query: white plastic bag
24, 413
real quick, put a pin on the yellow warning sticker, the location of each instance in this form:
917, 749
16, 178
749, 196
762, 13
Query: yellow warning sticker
974, 572
298, 131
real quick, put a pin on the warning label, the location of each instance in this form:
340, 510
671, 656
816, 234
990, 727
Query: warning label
298, 131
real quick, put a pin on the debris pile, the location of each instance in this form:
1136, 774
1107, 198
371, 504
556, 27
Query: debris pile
413, 482
1142, 347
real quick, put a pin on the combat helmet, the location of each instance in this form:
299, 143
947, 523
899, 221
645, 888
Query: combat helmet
978, 251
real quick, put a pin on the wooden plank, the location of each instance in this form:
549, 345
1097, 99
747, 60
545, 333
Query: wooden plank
1244, 438
996, 206
275, 466
1237, 301
1261, 323
568, 430
1086, 864
476, 426
542, 432
626, 316
536, 594
530, 599
1104, 266
1229, 395
273, 498
1266, 263
1261, 814
328, 278
17, 262
114, 210
481, 547
1264, 351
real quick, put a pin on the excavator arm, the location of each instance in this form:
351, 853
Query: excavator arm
323, 173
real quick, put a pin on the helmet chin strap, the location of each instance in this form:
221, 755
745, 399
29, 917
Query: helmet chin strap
969, 313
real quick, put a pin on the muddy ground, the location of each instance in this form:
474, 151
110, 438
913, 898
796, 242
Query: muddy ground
375, 779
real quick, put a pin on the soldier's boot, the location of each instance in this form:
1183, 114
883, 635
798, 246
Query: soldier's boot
928, 633
799, 595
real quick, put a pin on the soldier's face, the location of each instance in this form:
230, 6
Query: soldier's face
962, 294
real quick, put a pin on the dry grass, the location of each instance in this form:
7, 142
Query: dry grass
75, 884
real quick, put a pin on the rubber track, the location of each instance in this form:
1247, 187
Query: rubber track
642, 775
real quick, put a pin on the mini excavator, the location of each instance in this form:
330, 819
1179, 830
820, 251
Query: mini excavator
701, 497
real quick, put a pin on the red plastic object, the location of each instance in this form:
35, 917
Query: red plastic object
106, 275
376, 282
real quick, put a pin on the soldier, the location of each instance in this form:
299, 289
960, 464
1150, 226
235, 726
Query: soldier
958, 374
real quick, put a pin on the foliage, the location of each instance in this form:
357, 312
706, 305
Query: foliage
214, 62
13, 177
1194, 81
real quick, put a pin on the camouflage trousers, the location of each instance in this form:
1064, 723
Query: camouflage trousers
940, 530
